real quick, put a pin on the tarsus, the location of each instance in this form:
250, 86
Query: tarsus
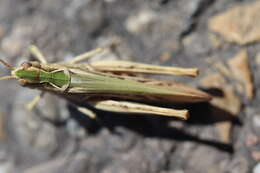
7, 77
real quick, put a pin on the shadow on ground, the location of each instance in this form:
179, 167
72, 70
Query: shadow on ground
202, 114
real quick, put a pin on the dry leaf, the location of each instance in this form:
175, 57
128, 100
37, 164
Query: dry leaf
239, 24
241, 70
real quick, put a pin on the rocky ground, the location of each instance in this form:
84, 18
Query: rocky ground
219, 37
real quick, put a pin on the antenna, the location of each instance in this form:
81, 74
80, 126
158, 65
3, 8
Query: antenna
8, 66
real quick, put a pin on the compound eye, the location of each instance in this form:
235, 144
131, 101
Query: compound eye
26, 65
35, 64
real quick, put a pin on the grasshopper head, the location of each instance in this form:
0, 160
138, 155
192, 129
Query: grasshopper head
26, 73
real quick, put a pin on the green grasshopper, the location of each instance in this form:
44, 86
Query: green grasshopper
107, 85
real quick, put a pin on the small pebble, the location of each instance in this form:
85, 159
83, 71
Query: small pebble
257, 59
140, 22
256, 155
251, 140
256, 169
256, 120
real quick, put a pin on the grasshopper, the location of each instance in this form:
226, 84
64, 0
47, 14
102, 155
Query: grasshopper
107, 85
